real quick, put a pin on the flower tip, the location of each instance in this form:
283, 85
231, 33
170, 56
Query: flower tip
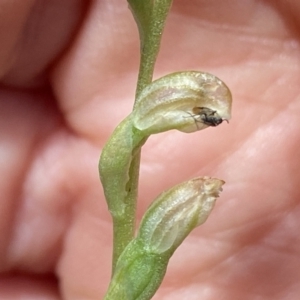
211, 186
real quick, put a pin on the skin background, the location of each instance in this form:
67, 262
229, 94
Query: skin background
68, 71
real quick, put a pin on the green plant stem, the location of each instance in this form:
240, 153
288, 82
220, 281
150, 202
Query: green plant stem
119, 176
150, 38
150, 28
124, 225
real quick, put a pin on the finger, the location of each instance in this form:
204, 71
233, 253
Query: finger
39, 32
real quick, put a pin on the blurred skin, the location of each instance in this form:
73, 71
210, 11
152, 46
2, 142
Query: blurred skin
68, 73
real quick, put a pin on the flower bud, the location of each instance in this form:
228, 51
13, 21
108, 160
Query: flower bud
186, 101
142, 265
176, 212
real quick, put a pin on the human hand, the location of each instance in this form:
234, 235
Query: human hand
68, 78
